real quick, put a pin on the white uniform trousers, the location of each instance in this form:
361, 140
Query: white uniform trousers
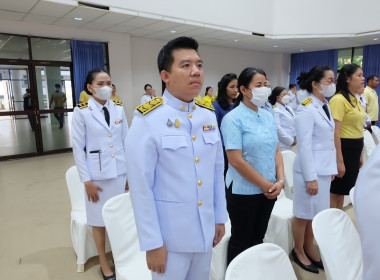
186, 266
306, 206
111, 188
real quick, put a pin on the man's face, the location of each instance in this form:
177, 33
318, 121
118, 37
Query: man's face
374, 83
186, 76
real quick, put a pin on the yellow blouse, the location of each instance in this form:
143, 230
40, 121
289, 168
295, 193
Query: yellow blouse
352, 118
207, 99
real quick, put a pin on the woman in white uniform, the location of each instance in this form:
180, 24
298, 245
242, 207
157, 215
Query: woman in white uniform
99, 130
284, 118
315, 164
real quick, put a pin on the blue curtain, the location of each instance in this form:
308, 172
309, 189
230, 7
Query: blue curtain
371, 62
86, 56
303, 62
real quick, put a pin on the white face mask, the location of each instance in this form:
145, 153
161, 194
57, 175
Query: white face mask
285, 99
327, 91
103, 93
260, 96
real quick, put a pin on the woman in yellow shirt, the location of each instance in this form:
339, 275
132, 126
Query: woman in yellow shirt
114, 96
349, 117
208, 96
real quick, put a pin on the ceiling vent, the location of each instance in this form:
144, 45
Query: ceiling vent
94, 6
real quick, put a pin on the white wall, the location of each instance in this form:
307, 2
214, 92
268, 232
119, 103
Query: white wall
217, 62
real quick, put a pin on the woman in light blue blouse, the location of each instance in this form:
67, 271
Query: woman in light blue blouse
256, 170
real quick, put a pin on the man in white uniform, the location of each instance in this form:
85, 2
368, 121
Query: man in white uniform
175, 165
366, 201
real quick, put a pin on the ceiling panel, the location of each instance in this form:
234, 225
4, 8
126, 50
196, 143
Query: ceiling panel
140, 32
40, 19
51, 9
162, 25
96, 26
11, 15
87, 14
139, 22
70, 22
120, 28
17, 6
113, 18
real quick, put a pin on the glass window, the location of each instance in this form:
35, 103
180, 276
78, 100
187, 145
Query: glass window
51, 49
13, 47
344, 57
358, 56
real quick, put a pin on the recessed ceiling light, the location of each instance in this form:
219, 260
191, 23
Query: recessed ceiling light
275, 46
173, 31
301, 50
375, 39
236, 40
78, 18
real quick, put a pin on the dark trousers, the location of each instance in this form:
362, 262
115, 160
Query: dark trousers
249, 215
59, 116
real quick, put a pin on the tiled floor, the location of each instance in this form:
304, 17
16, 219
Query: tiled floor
35, 241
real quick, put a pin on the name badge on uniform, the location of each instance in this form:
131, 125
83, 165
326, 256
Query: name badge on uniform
209, 127
118, 121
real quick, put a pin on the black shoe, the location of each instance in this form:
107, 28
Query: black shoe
311, 267
317, 264
111, 277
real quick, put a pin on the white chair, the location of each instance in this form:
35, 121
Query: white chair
376, 134
263, 261
369, 145
352, 193
119, 219
279, 229
288, 158
219, 256
81, 233
339, 244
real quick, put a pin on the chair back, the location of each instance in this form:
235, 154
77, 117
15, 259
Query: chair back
121, 228
376, 134
288, 158
339, 244
352, 193
369, 145
264, 261
76, 191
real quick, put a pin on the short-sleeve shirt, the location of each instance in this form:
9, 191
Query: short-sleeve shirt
59, 99
352, 117
372, 103
254, 133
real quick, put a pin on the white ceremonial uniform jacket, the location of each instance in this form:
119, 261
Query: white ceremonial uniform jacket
99, 149
175, 168
366, 201
315, 140
285, 127
145, 98
292, 100
302, 94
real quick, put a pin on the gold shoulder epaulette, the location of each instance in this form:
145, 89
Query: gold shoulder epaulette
150, 105
274, 106
204, 105
118, 103
82, 105
307, 101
